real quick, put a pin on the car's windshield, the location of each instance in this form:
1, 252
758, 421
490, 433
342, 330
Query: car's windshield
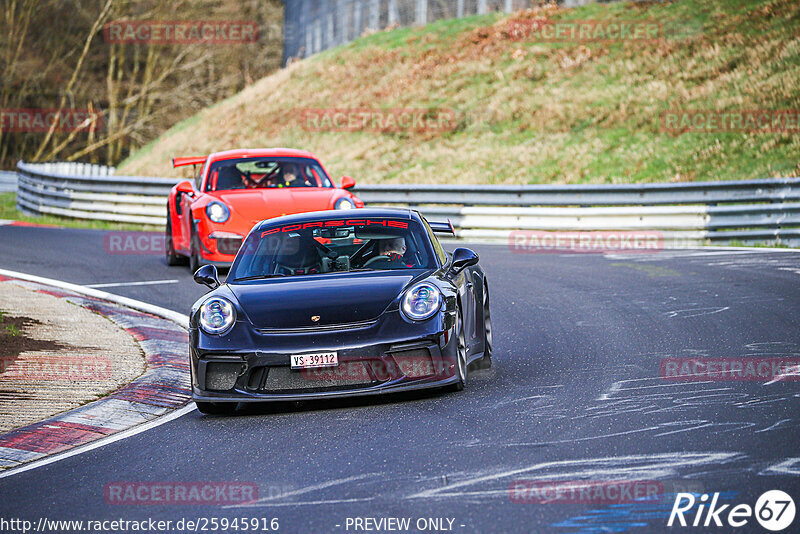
328, 246
266, 172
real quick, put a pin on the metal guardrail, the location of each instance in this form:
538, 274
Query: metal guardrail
8, 181
750, 211
769, 190
85, 191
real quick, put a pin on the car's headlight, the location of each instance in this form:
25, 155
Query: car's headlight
344, 204
218, 212
216, 315
421, 301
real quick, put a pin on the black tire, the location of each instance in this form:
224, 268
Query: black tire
194, 257
461, 358
216, 408
172, 258
486, 361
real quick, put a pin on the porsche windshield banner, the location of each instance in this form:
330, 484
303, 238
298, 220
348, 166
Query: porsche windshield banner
386, 223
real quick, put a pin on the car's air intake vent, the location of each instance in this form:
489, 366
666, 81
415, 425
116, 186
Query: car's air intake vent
415, 363
286, 380
256, 378
229, 245
221, 376
323, 328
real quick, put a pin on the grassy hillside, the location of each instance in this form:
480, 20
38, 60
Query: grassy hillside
530, 111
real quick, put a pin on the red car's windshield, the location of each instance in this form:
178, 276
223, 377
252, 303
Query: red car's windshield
266, 172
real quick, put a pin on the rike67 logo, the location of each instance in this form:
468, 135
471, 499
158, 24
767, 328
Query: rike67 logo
774, 510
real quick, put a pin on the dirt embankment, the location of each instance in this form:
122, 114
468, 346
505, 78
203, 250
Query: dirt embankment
55, 356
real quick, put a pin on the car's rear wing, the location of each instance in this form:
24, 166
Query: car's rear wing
190, 160
442, 227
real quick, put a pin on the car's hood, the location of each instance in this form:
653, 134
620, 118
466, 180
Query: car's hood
292, 302
259, 204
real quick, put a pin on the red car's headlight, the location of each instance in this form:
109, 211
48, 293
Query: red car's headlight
344, 204
218, 212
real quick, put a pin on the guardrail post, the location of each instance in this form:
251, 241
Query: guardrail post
394, 16
357, 16
317, 34
374, 14
328, 14
509, 6
482, 7
421, 16
341, 22
308, 29
460, 9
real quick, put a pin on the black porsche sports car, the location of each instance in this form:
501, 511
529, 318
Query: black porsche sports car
320, 305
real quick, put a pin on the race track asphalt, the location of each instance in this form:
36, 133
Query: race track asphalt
575, 393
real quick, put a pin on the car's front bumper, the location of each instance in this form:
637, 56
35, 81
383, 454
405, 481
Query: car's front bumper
386, 365
218, 242
212, 253
382, 389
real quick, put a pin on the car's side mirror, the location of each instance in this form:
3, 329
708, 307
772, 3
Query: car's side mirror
185, 187
347, 182
462, 258
207, 275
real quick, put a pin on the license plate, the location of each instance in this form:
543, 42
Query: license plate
317, 359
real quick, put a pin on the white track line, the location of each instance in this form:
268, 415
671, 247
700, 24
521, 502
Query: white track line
126, 284
170, 315
307, 489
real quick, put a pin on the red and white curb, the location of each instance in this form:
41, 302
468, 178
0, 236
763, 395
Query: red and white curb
9, 222
164, 388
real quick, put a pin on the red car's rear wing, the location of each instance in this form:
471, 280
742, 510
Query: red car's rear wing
442, 227
190, 160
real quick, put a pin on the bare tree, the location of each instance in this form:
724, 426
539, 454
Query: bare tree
138, 90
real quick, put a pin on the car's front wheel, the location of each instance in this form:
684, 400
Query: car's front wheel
171, 256
216, 408
194, 255
486, 361
461, 356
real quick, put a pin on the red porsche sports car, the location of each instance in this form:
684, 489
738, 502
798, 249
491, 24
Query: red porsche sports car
207, 219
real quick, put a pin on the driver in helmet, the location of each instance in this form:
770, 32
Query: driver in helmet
390, 254
394, 248
289, 176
